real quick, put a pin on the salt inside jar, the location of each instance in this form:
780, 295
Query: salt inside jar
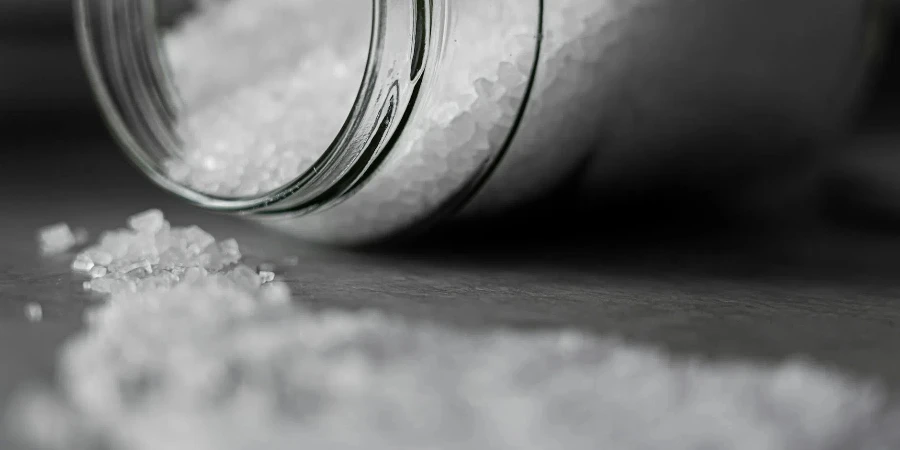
349, 121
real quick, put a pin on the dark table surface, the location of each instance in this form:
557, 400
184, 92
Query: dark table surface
830, 296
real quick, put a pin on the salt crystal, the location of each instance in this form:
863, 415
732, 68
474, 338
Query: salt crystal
99, 257
215, 259
230, 248
82, 263
98, 271
196, 239
510, 75
245, 278
151, 221
102, 285
56, 239
124, 266
115, 243
172, 258
34, 312
266, 276
484, 87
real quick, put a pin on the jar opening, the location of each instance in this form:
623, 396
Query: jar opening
264, 88
254, 105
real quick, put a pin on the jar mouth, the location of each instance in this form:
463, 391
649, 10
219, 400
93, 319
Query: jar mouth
128, 63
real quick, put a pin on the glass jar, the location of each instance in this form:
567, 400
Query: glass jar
461, 107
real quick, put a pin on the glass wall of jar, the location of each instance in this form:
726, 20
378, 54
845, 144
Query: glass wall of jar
353, 121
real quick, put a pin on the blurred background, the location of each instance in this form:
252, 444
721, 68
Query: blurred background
41, 80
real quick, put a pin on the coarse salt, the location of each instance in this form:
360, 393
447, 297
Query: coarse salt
56, 239
197, 355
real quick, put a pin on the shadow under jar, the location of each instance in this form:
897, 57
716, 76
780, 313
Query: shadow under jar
356, 121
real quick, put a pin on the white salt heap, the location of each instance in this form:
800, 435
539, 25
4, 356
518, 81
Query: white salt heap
151, 254
191, 351
266, 86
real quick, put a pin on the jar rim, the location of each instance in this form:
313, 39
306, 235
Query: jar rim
120, 46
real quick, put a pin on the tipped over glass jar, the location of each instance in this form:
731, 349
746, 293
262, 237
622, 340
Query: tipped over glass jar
354, 121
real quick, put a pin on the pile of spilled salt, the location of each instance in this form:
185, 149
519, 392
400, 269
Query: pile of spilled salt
60, 238
266, 86
152, 255
210, 359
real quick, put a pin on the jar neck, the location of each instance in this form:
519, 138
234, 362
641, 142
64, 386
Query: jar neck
120, 44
